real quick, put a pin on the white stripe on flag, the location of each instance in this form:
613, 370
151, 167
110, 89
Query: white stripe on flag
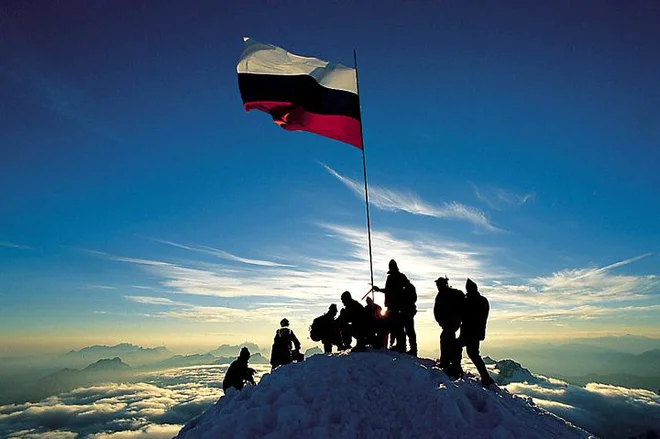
266, 59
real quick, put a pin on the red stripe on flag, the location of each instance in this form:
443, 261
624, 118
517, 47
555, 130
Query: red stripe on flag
295, 118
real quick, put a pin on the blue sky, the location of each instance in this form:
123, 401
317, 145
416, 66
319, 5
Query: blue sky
516, 144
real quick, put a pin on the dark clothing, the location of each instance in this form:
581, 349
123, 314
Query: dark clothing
281, 350
450, 353
400, 299
408, 325
328, 331
473, 329
353, 323
376, 325
475, 316
448, 308
394, 290
448, 311
237, 374
472, 349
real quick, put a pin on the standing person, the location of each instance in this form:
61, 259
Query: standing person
239, 373
377, 326
407, 316
326, 330
473, 328
281, 352
352, 322
448, 310
394, 296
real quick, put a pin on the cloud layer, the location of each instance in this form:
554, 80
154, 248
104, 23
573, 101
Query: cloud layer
393, 200
155, 407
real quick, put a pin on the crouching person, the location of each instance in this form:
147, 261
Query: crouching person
239, 373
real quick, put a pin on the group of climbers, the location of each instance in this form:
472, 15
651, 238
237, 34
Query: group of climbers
371, 325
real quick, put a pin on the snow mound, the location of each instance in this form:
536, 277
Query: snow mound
376, 394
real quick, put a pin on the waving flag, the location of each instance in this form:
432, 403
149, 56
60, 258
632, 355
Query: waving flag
300, 93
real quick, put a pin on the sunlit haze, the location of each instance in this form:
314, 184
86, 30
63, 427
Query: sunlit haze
140, 203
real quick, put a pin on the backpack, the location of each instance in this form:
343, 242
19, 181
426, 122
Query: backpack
316, 330
283, 338
411, 292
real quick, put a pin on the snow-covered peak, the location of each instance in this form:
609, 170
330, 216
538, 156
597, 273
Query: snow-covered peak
374, 394
512, 372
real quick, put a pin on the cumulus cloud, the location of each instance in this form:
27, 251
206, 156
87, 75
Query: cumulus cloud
393, 200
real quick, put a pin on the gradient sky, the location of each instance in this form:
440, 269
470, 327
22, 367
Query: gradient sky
516, 143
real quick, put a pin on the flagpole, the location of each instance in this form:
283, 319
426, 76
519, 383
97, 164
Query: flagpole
364, 169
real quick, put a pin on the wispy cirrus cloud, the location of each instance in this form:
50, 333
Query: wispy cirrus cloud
149, 300
499, 199
393, 200
8, 244
223, 254
583, 293
251, 292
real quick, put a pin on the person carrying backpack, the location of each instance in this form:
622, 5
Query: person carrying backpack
281, 352
325, 329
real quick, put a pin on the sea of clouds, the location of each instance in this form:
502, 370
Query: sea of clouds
155, 407
160, 403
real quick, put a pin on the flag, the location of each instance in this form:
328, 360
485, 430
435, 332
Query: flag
299, 92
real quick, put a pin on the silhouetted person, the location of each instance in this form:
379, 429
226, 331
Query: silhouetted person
473, 328
281, 352
239, 372
325, 329
398, 309
376, 324
352, 322
448, 310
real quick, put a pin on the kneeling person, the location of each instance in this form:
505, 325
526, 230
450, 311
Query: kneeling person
239, 373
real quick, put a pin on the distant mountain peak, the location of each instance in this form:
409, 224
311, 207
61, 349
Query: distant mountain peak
107, 364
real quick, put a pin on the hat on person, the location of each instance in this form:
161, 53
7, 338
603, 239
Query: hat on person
284, 322
393, 267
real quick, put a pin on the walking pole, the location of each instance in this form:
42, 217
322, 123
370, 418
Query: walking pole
366, 189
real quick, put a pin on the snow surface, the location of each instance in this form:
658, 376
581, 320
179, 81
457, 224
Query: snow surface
375, 394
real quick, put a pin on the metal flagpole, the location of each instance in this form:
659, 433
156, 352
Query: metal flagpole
364, 168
